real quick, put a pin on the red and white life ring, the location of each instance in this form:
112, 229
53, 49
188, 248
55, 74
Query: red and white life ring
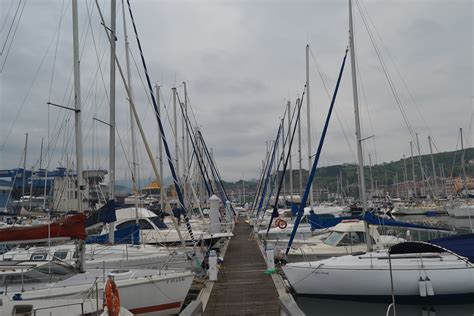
112, 298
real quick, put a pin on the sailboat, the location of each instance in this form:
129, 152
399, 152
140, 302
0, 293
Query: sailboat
410, 270
143, 291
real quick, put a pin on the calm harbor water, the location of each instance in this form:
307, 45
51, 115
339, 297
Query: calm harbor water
320, 306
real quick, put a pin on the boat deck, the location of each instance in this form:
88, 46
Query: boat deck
243, 288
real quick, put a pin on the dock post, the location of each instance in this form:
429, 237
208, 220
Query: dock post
212, 266
270, 252
215, 226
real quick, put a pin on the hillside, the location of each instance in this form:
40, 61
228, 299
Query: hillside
383, 174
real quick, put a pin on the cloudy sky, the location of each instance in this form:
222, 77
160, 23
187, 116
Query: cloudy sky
242, 61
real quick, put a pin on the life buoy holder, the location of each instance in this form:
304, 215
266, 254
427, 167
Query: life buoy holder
282, 224
112, 298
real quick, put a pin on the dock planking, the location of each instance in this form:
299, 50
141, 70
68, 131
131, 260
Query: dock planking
243, 288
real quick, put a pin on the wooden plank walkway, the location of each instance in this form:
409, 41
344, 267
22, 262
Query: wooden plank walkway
242, 287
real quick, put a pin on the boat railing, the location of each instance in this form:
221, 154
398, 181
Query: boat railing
35, 310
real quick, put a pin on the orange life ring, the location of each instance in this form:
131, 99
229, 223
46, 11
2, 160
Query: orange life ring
282, 224
112, 298
277, 221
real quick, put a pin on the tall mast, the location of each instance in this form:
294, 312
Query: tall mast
183, 148
289, 148
112, 114
78, 127
300, 158
25, 150
308, 122
360, 158
135, 177
185, 144
175, 121
160, 150
421, 165
405, 175
463, 164
283, 155
413, 169
435, 185
371, 178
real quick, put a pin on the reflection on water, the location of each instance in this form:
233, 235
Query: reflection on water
320, 306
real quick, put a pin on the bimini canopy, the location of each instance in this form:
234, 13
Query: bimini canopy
105, 214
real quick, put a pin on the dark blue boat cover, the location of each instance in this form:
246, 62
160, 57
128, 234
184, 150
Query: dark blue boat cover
318, 221
105, 214
128, 235
462, 245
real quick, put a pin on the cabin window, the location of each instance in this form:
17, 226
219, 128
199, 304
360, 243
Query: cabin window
39, 256
333, 238
144, 224
61, 254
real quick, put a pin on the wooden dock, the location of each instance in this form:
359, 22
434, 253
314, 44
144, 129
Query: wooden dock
243, 288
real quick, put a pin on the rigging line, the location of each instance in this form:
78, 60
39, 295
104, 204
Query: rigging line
165, 143
392, 60
326, 89
25, 98
10, 29
389, 79
99, 59
454, 156
13, 36
55, 51
317, 156
288, 154
199, 158
6, 16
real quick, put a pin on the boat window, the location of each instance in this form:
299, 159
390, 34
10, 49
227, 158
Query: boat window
39, 256
144, 224
61, 254
126, 224
351, 238
158, 222
333, 238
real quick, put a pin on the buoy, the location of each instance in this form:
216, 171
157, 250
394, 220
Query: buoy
112, 298
282, 224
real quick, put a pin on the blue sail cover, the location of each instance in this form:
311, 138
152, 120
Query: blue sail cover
373, 219
127, 235
319, 222
105, 214
462, 245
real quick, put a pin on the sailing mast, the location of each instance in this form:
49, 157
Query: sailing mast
160, 150
435, 184
308, 122
358, 131
78, 128
135, 177
300, 158
289, 149
413, 169
24, 172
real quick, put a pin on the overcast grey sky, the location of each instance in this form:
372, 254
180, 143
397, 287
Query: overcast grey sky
242, 61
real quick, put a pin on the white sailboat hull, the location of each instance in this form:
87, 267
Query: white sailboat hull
356, 276
146, 292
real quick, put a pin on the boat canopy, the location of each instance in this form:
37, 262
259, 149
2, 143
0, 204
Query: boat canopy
414, 247
462, 245
127, 235
318, 221
105, 214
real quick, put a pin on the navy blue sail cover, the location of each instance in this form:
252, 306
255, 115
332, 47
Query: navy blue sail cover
462, 245
105, 214
127, 235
